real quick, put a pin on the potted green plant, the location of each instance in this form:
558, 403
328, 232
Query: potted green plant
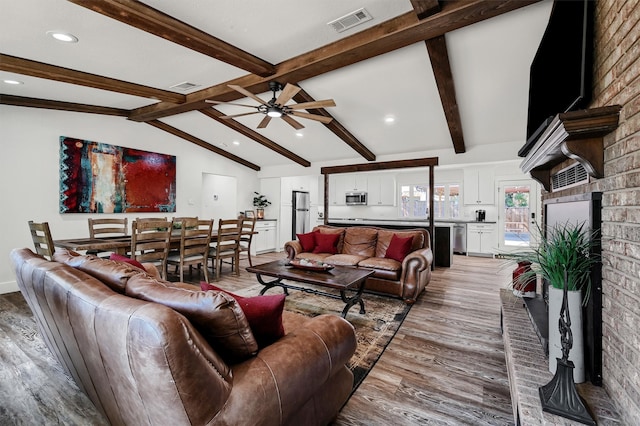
563, 249
260, 202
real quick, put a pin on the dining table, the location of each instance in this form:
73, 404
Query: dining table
118, 244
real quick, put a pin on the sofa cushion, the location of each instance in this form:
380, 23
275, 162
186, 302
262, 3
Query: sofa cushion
323, 229
264, 314
384, 239
316, 257
399, 248
307, 241
114, 274
360, 241
326, 243
217, 316
383, 268
120, 258
344, 259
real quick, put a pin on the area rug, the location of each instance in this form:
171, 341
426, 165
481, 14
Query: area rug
374, 329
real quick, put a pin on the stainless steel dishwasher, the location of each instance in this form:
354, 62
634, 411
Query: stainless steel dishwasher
460, 238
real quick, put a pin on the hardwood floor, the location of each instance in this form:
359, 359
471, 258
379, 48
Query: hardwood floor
445, 366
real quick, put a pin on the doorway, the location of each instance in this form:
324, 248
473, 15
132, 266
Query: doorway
518, 214
219, 197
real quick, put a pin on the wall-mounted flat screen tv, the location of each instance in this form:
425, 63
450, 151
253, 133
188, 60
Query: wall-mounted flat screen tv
560, 76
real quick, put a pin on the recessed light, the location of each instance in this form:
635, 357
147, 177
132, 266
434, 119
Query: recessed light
60, 36
299, 134
389, 119
15, 82
236, 143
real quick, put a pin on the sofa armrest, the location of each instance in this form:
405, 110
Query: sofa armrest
293, 248
416, 273
285, 375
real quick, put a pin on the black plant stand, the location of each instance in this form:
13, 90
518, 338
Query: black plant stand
560, 395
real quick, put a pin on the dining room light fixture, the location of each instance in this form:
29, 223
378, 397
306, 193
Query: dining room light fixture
62, 36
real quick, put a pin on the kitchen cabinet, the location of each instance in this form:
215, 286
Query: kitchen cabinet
479, 186
381, 190
336, 195
308, 184
481, 238
353, 182
266, 238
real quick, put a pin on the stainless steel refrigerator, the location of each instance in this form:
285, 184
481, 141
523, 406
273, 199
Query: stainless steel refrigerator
300, 219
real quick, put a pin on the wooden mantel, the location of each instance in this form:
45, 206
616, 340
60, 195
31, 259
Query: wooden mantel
577, 135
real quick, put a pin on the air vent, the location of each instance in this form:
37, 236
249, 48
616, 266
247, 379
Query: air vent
570, 176
351, 20
184, 87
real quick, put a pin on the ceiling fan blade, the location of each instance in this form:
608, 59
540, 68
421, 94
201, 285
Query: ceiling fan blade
293, 123
287, 93
226, 117
247, 93
315, 104
228, 103
264, 122
320, 118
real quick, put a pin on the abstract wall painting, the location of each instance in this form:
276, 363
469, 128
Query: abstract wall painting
101, 178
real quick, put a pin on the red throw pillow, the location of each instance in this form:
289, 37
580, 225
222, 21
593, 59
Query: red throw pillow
326, 243
398, 248
264, 314
120, 258
307, 241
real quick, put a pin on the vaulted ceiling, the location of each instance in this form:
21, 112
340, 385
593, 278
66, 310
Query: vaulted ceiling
452, 74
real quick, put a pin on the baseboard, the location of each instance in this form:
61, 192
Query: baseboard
8, 287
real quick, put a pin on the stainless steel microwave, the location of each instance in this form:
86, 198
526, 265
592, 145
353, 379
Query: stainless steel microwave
356, 198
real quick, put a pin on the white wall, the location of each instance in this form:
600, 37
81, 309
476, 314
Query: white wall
29, 174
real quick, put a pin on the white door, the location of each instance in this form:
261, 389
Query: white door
518, 216
219, 197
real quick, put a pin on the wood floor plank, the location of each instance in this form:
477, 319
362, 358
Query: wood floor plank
445, 366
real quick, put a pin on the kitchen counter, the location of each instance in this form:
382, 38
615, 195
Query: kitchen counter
399, 222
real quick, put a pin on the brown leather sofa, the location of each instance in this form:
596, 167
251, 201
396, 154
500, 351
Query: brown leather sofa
142, 362
365, 247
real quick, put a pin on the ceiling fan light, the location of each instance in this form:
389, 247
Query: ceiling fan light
274, 112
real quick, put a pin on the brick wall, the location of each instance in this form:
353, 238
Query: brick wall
617, 81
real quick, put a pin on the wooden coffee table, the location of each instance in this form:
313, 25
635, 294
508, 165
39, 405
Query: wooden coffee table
342, 278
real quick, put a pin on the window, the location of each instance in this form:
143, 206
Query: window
446, 201
414, 200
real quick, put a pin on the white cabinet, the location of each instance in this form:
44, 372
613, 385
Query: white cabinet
299, 183
479, 186
336, 195
381, 190
266, 238
352, 182
481, 238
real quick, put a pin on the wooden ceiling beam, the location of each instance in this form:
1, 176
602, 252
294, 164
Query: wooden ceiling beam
388, 36
151, 20
383, 165
439, 57
203, 144
425, 8
66, 75
61, 106
244, 130
338, 129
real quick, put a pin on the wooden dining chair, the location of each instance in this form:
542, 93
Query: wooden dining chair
226, 245
150, 240
42, 240
247, 227
109, 227
195, 237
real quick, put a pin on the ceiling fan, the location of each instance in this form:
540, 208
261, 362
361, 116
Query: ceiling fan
276, 106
